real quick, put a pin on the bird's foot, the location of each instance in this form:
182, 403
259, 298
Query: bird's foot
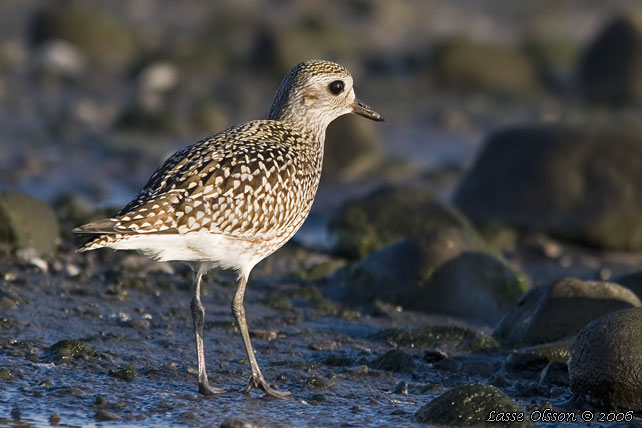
205, 389
258, 381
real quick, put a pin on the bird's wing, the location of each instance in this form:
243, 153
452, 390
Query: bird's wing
241, 182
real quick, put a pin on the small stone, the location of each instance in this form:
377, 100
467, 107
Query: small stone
67, 350
60, 58
469, 405
434, 356
338, 360
54, 419
139, 324
324, 345
104, 416
394, 360
232, 422
128, 374
320, 382
5, 374
555, 373
100, 401
188, 418
401, 388
264, 334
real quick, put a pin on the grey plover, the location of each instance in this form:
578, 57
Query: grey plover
234, 198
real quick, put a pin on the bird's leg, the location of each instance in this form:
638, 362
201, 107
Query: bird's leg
256, 379
198, 317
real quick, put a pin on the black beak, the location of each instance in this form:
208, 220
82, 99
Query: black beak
362, 109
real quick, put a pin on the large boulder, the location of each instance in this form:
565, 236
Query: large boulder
463, 64
442, 273
610, 70
473, 405
583, 185
388, 215
27, 225
560, 309
606, 362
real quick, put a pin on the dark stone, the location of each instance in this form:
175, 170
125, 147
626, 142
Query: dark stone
605, 367
104, 416
394, 360
390, 214
27, 224
469, 405
454, 339
434, 356
401, 388
555, 373
610, 70
338, 360
577, 184
68, 350
632, 281
437, 273
560, 309
5, 374
128, 374
320, 382
527, 362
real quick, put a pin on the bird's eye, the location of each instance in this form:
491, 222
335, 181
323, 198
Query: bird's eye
336, 87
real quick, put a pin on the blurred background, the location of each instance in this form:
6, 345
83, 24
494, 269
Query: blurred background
95, 95
509, 162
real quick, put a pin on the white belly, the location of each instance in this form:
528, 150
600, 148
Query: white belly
220, 250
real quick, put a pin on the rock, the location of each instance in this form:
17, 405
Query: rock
438, 273
605, 367
610, 70
154, 82
68, 350
394, 360
232, 422
560, 309
555, 373
353, 148
104, 416
105, 41
463, 64
27, 225
60, 58
471, 405
577, 184
632, 281
371, 222
128, 374
447, 338
534, 359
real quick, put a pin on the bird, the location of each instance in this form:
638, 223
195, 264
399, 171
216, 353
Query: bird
232, 199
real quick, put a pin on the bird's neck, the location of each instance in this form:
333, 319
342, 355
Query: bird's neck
311, 123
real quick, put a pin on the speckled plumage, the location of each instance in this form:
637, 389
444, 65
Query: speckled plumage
234, 198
